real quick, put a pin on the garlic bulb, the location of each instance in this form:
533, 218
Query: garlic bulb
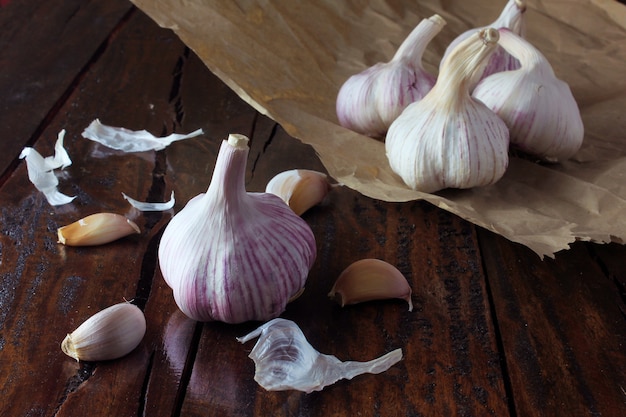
301, 189
96, 229
370, 279
511, 17
234, 256
369, 101
285, 360
448, 139
538, 108
109, 334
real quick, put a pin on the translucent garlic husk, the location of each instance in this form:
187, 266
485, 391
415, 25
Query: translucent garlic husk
368, 102
538, 108
285, 360
512, 18
448, 139
235, 256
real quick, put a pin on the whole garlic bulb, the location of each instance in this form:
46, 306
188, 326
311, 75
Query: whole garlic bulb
448, 139
234, 256
511, 17
369, 101
539, 109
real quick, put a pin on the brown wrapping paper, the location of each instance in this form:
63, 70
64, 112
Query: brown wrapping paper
288, 59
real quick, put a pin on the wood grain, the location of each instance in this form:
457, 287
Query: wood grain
495, 331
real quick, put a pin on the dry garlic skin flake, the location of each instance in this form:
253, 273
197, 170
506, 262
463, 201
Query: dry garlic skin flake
448, 139
235, 256
285, 360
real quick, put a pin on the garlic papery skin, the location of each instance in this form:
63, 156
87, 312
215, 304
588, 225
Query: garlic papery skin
539, 109
448, 139
109, 334
368, 102
285, 360
235, 256
97, 229
301, 189
512, 18
370, 279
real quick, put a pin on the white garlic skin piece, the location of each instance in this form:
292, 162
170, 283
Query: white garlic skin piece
285, 360
234, 256
448, 139
368, 102
538, 108
512, 18
109, 334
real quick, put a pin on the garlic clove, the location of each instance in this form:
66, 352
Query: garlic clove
301, 189
538, 108
97, 229
368, 102
370, 279
512, 18
235, 256
285, 360
109, 334
448, 139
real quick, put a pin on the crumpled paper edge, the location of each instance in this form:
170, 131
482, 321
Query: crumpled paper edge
365, 177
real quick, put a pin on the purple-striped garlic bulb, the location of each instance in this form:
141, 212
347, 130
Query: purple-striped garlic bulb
539, 109
368, 102
235, 256
512, 18
448, 139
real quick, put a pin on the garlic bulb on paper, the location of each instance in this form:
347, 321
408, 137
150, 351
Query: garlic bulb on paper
235, 256
511, 17
538, 108
109, 334
285, 360
369, 101
448, 139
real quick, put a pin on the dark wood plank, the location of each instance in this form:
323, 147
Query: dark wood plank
45, 46
562, 328
53, 288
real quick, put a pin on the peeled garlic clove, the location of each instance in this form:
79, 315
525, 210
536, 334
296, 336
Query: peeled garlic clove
369, 101
285, 360
97, 229
538, 108
448, 139
108, 334
235, 256
370, 279
301, 189
512, 18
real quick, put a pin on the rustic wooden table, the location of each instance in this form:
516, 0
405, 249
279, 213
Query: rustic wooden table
495, 330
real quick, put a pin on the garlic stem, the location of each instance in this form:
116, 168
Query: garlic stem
413, 47
529, 57
461, 72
